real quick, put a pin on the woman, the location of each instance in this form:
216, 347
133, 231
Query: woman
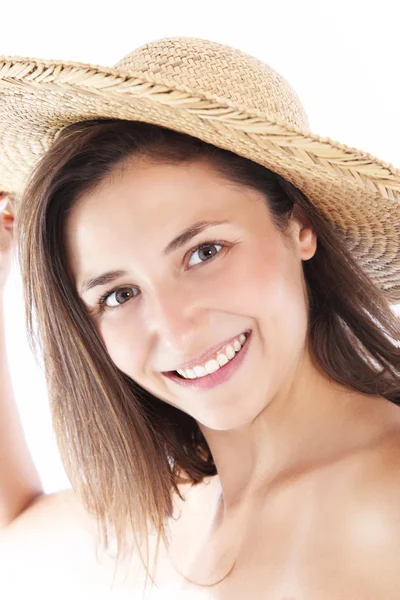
212, 285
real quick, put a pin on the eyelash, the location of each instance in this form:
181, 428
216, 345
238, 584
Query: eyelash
101, 302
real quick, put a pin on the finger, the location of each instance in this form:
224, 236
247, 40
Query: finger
6, 219
9, 228
7, 223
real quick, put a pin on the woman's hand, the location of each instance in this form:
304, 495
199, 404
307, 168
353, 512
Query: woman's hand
6, 241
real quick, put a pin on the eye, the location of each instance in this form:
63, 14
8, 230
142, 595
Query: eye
204, 252
122, 293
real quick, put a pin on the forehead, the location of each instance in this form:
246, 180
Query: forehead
145, 202
149, 189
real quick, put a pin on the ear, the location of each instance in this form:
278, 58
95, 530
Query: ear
304, 236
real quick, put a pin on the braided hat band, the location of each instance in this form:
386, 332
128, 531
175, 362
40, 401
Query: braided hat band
225, 97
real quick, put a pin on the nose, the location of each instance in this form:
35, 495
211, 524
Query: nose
174, 317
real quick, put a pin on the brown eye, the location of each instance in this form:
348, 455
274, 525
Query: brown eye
207, 252
121, 296
204, 253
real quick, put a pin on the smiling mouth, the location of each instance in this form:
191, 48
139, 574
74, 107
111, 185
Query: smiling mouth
217, 362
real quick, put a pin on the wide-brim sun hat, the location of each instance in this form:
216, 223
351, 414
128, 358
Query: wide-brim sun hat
225, 97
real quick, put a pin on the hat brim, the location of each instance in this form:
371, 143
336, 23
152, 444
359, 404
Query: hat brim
358, 193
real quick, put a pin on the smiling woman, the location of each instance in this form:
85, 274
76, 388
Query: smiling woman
203, 321
136, 188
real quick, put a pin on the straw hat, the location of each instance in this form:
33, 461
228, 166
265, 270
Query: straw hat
222, 96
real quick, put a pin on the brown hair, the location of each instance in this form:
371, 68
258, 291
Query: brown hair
124, 450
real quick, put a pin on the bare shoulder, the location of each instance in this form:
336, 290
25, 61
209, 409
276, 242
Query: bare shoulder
377, 469
374, 514
50, 550
378, 480
49, 515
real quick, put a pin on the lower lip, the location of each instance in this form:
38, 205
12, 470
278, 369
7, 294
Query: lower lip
223, 374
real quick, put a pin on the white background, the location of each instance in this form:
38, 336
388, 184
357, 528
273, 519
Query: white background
341, 57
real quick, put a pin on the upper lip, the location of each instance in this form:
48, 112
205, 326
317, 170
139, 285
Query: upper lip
208, 354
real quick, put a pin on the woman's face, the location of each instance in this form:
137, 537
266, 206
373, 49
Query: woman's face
201, 265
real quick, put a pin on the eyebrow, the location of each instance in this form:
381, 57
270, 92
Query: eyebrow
180, 240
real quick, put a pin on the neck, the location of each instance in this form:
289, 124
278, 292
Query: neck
308, 423
311, 423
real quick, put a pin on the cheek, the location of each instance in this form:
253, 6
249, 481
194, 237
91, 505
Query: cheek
269, 288
124, 341
254, 283
284, 318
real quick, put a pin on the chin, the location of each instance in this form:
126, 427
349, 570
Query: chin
230, 418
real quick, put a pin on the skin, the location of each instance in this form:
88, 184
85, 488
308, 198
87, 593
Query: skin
296, 453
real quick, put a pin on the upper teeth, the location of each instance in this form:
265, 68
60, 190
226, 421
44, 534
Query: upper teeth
221, 358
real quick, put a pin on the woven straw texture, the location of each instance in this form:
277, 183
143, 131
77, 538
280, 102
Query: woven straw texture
222, 96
